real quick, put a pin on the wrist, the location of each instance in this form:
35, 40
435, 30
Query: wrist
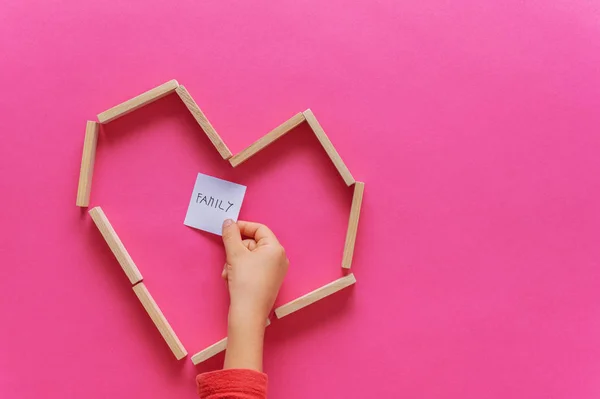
246, 319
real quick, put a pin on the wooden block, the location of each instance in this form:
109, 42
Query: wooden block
115, 244
359, 189
203, 122
138, 102
329, 148
209, 352
87, 164
314, 296
267, 139
160, 321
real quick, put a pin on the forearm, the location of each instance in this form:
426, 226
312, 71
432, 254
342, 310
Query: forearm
245, 338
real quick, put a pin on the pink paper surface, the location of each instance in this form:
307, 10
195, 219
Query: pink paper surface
475, 125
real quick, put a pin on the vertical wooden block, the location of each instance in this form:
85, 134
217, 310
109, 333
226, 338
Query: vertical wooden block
266, 140
209, 352
359, 189
138, 102
115, 244
203, 122
160, 321
329, 148
88, 157
315, 295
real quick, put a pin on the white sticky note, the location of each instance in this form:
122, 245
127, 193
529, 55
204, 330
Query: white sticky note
213, 201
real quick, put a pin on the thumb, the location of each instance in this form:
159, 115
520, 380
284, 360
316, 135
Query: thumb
232, 239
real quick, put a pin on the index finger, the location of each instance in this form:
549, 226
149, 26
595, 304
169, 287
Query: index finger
259, 232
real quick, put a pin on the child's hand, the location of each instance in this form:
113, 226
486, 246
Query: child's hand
254, 270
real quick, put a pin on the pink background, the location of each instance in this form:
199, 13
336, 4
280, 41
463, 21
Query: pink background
476, 130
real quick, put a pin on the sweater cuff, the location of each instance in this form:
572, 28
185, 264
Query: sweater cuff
246, 383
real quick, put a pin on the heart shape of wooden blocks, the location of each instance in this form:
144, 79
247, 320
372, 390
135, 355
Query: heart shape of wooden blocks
127, 263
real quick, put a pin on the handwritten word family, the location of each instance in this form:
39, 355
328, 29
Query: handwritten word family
213, 202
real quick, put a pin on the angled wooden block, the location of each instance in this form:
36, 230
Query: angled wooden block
160, 321
267, 139
329, 148
359, 189
209, 352
314, 296
115, 244
203, 122
88, 157
138, 102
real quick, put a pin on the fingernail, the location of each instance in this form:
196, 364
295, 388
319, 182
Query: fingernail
227, 222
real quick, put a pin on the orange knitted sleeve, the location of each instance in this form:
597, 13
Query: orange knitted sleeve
232, 384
